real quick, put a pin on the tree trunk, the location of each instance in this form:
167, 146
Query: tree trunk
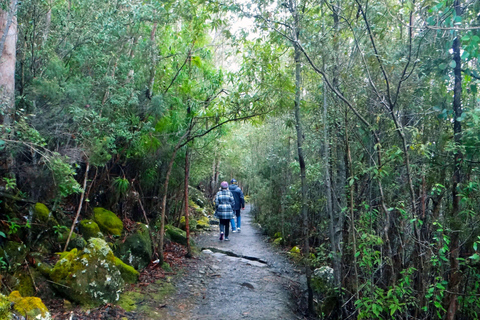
451, 304
164, 205
187, 225
301, 161
153, 68
8, 42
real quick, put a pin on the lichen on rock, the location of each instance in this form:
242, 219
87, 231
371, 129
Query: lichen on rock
30, 307
92, 276
108, 221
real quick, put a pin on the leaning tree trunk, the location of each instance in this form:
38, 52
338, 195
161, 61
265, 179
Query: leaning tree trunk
8, 42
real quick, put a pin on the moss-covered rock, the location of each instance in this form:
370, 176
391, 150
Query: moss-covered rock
5, 308
41, 212
30, 307
25, 284
191, 222
203, 223
89, 229
108, 221
136, 250
176, 235
89, 277
129, 274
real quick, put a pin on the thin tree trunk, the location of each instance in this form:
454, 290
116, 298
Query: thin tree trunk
455, 274
85, 179
301, 160
164, 205
8, 42
153, 68
187, 225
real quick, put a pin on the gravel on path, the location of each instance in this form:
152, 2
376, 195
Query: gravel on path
244, 278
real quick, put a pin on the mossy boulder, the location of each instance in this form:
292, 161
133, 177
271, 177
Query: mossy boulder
29, 307
41, 212
108, 221
191, 222
176, 235
203, 223
89, 277
43, 216
14, 253
89, 229
136, 250
24, 284
5, 308
129, 274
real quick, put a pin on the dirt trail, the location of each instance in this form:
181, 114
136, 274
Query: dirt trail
244, 278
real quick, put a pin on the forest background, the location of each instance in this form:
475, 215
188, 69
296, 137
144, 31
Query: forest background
353, 126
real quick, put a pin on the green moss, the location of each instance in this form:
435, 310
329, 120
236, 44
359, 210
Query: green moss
166, 267
129, 274
203, 223
5, 308
108, 221
164, 289
175, 234
31, 307
25, 285
278, 241
129, 300
89, 229
41, 212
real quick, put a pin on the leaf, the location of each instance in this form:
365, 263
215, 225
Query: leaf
473, 87
442, 66
452, 64
2, 234
475, 257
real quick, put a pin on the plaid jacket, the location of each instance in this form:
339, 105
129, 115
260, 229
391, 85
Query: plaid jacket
224, 203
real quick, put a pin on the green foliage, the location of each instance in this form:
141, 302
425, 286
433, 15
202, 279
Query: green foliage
10, 184
121, 185
63, 175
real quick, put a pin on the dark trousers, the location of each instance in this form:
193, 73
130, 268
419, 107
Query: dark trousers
225, 225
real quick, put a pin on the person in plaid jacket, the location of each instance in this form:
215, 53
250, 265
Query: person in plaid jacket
224, 203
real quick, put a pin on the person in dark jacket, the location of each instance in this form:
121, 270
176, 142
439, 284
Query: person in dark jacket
239, 204
224, 203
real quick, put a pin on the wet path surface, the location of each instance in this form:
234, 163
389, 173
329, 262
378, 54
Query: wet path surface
244, 278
